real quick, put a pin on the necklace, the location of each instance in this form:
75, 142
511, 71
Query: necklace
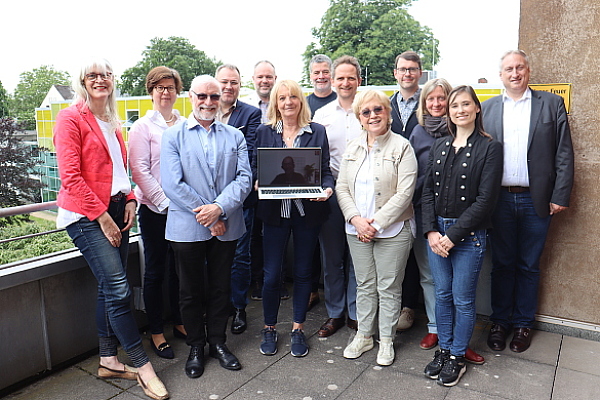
170, 119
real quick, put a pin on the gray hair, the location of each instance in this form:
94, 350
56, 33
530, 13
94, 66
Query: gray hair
202, 79
320, 58
515, 52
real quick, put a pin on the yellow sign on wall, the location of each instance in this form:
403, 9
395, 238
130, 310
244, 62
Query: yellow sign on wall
561, 89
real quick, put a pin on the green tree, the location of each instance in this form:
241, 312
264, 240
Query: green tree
375, 32
18, 162
173, 52
33, 86
3, 101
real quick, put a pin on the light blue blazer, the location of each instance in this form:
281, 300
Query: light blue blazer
188, 182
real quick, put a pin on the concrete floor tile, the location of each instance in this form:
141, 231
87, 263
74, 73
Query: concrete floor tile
570, 385
580, 355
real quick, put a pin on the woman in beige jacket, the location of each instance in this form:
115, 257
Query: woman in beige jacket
375, 189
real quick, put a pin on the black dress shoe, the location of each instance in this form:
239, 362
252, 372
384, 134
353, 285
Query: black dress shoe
226, 359
497, 338
194, 366
178, 334
238, 324
521, 340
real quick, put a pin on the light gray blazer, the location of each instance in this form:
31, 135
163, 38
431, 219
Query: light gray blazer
189, 183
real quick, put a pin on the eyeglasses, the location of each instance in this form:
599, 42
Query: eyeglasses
93, 76
204, 96
367, 112
161, 89
411, 70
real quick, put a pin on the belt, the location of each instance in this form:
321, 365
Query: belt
515, 189
117, 197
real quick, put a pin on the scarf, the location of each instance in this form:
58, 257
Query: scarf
435, 126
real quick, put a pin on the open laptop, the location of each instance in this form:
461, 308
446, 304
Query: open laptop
289, 173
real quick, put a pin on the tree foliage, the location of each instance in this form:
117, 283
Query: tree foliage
3, 101
31, 90
18, 162
173, 52
375, 32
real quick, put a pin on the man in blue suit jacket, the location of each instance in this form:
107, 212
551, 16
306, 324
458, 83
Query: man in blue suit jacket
206, 175
536, 184
247, 119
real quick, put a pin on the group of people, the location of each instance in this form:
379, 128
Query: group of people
414, 186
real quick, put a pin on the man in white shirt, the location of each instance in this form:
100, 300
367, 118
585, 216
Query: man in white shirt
342, 126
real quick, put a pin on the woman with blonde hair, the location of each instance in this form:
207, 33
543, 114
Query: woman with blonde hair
97, 208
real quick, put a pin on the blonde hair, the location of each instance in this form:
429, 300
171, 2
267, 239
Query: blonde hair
426, 91
99, 65
368, 95
273, 114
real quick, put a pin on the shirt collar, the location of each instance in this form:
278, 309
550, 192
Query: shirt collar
414, 97
279, 128
192, 122
526, 96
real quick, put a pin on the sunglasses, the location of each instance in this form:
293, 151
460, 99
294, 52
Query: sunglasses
367, 112
204, 96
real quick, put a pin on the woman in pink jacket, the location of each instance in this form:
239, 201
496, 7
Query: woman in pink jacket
97, 208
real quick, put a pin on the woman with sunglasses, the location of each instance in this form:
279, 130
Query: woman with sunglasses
163, 84
461, 186
375, 188
97, 208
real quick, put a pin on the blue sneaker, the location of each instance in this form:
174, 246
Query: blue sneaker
299, 346
268, 346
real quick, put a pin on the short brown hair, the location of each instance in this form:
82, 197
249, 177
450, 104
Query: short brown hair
159, 73
346, 60
410, 56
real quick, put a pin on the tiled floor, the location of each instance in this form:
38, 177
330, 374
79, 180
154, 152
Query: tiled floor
555, 367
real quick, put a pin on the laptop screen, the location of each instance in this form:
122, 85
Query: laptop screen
289, 167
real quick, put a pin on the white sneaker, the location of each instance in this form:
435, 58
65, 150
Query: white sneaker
359, 345
407, 317
385, 355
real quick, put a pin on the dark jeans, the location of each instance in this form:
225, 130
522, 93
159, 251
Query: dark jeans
109, 266
518, 240
204, 270
455, 279
241, 269
160, 260
275, 243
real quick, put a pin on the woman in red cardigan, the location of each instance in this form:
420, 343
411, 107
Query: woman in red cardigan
97, 208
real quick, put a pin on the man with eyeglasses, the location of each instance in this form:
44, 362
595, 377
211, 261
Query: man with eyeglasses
246, 118
404, 107
206, 175
320, 77
536, 184
338, 271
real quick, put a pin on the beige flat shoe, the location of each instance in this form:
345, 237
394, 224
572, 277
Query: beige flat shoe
109, 373
154, 388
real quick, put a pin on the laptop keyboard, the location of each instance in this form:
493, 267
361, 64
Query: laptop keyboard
290, 191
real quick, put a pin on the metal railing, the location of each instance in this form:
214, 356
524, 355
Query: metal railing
28, 209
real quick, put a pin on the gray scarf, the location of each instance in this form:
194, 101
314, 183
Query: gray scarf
436, 126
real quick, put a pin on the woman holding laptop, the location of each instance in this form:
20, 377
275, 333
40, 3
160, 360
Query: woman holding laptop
289, 126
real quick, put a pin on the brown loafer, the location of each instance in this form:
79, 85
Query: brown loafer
497, 338
352, 324
313, 300
521, 340
331, 326
473, 358
109, 373
154, 388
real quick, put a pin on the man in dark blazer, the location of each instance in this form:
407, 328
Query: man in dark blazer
246, 118
407, 72
536, 184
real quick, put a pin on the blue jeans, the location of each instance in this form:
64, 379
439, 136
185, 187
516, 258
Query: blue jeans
275, 240
455, 279
517, 243
338, 270
160, 260
241, 270
109, 266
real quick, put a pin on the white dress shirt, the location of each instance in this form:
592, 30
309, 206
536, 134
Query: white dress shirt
515, 120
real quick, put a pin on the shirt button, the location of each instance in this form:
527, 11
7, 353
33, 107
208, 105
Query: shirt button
470, 145
443, 153
463, 177
468, 154
462, 187
472, 233
464, 164
437, 194
437, 173
438, 161
447, 143
463, 199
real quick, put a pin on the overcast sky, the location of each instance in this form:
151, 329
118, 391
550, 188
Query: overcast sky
472, 33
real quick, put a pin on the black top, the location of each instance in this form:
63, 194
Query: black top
315, 102
464, 185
